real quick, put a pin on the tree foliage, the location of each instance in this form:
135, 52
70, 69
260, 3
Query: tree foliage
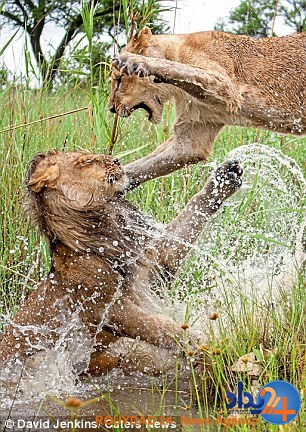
255, 17
109, 16
294, 14
81, 64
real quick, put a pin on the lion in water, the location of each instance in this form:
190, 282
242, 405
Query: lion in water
105, 256
215, 79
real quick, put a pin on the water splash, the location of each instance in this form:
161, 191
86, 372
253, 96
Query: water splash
253, 247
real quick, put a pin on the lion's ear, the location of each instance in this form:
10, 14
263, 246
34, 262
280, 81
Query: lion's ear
144, 37
44, 176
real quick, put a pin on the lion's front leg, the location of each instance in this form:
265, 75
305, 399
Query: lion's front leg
200, 83
184, 148
168, 157
185, 229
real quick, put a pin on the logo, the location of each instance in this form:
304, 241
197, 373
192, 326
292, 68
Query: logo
278, 402
240, 400
282, 402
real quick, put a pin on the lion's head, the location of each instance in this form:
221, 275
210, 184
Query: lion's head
76, 198
129, 93
81, 179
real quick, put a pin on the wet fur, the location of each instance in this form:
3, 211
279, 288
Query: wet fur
105, 254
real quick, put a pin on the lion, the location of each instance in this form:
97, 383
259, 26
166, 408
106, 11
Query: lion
215, 79
105, 256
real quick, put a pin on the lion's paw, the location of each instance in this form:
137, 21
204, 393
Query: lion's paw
224, 181
131, 64
229, 174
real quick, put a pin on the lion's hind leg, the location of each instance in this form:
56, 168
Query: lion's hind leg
132, 355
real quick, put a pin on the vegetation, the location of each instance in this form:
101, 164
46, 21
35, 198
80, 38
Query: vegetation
276, 335
256, 17
108, 18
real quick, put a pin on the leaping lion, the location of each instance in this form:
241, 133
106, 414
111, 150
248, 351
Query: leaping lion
215, 79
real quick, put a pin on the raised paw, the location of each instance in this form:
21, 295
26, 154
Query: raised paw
223, 182
131, 64
229, 174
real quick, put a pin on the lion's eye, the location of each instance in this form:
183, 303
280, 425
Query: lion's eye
88, 161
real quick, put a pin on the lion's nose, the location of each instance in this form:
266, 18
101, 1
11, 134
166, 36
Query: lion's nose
112, 109
116, 161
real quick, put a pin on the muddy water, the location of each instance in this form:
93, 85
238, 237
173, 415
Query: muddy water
125, 400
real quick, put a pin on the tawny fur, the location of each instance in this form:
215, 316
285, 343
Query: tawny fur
105, 255
215, 79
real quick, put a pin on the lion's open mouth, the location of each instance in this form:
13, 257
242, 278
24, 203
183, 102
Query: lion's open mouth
145, 107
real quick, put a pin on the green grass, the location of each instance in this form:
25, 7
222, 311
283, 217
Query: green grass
275, 333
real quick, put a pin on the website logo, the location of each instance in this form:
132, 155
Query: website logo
278, 402
282, 402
